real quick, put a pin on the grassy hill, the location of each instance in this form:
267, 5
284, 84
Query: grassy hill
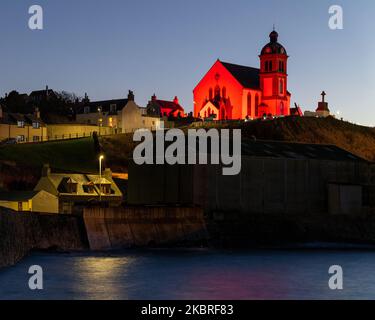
359, 140
69, 155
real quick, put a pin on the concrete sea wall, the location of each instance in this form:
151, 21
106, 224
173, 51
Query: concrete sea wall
22, 232
117, 228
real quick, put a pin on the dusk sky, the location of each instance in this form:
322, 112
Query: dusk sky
165, 47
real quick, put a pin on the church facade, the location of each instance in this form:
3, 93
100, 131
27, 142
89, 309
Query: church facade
232, 92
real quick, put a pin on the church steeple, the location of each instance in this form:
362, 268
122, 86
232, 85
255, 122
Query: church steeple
274, 36
273, 76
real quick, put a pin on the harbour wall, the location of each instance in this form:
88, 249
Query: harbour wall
119, 228
22, 232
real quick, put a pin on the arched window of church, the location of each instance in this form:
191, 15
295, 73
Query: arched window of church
266, 66
223, 114
270, 66
249, 104
281, 86
256, 105
281, 108
217, 91
210, 94
224, 92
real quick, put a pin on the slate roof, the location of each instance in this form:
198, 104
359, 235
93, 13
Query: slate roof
169, 105
105, 106
247, 76
60, 181
290, 150
12, 118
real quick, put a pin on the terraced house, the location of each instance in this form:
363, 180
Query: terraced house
22, 128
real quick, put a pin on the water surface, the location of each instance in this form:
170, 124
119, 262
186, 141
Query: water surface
193, 274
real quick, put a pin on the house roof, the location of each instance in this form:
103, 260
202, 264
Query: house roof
169, 105
105, 105
289, 150
248, 77
42, 92
60, 183
12, 118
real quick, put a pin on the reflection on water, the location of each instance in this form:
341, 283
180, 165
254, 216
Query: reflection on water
193, 274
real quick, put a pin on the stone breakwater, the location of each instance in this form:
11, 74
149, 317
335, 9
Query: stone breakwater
22, 232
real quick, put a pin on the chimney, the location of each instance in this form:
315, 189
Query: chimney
175, 100
131, 96
107, 173
37, 113
153, 98
46, 171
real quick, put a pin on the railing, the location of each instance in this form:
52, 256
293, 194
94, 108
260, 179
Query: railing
69, 136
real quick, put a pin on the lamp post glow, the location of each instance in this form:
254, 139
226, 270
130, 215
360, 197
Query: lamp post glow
100, 177
100, 120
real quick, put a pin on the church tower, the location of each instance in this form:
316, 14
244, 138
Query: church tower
274, 79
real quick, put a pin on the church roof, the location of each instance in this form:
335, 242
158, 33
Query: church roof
169, 105
247, 76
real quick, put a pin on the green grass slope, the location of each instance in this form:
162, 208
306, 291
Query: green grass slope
68, 155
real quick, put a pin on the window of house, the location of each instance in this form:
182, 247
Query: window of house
105, 188
89, 188
36, 138
20, 124
36, 125
20, 138
72, 187
113, 108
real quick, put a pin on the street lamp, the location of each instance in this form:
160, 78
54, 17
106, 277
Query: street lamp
100, 120
100, 177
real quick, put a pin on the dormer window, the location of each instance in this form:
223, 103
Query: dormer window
89, 188
72, 186
20, 124
36, 125
104, 186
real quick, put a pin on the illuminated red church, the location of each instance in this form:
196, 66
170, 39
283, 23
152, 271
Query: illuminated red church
230, 92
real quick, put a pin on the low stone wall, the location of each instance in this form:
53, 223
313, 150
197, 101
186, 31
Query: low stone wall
117, 228
22, 232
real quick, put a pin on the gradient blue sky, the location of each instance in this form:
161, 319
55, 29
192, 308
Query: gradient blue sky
165, 47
